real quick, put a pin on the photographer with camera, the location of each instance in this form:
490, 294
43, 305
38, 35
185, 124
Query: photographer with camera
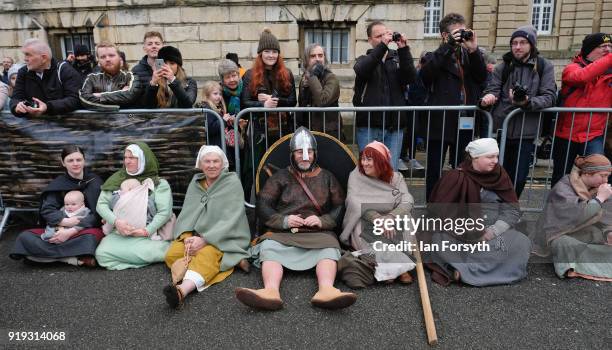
319, 87
523, 80
44, 85
381, 78
453, 75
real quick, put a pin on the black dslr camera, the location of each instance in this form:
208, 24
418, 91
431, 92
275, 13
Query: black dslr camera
464, 35
519, 92
396, 36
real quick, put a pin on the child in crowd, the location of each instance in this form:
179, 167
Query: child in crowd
212, 98
74, 206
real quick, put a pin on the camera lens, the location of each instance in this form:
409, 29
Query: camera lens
396, 36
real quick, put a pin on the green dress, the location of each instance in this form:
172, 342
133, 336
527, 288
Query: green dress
117, 252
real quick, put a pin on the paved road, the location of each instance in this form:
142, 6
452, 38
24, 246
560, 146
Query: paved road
126, 310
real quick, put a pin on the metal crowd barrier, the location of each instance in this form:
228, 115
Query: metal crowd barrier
30, 158
287, 119
539, 182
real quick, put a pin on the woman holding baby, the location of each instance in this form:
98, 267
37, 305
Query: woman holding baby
138, 215
67, 208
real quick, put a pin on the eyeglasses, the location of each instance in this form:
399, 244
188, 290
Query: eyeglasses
519, 43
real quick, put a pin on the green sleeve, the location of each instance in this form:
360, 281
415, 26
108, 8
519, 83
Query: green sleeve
163, 204
103, 207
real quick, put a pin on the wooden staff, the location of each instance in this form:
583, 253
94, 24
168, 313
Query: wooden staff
430, 326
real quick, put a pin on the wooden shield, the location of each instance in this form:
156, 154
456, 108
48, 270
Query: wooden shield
332, 155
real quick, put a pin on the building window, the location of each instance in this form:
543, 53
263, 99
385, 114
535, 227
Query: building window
542, 15
335, 41
433, 13
70, 40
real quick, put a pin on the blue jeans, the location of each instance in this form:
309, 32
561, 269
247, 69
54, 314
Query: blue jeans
391, 138
517, 163
564, 147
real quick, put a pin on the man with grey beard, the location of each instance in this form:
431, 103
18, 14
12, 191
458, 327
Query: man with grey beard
112, 88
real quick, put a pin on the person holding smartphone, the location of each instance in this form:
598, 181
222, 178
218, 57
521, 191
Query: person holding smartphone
152, 42
169, 86
44, 85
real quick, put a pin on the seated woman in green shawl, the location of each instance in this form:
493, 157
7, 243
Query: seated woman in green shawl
126, 246
211, 231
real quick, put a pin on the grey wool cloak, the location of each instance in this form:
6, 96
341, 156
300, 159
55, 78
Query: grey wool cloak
217, 214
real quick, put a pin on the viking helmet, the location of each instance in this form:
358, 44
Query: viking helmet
304, 140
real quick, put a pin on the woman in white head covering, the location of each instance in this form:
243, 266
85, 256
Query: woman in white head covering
132, 247
212, 229
480, 190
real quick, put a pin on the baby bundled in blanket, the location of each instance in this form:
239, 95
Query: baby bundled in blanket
133, 203
74, 206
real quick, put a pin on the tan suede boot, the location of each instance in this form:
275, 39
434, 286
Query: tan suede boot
262, 299
329, 297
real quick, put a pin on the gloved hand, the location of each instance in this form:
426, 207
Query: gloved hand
317, 70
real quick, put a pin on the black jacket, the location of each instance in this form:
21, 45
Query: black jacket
52, 198
86, 68
442, 78
59, 91
143, 73
379, 83
183, 95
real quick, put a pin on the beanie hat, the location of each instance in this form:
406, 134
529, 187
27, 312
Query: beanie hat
233, 56
227, 66
591, 42
267, 41
80, 50
527, 32
170, 53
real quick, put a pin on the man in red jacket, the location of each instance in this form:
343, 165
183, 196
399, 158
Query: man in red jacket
586, 82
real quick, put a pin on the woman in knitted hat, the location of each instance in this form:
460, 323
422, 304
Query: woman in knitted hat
127, 246
12, 79
576, 224
169, 86
375, 193
489, 251
232, 85
268, 84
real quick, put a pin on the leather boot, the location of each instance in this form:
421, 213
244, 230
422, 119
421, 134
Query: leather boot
262, 299
405, 278
329, 297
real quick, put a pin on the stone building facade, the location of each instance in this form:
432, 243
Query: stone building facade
206, 30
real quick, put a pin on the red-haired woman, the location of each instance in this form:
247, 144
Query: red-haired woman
377, 194
268, 84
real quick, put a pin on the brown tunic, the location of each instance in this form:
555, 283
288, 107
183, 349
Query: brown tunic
282, 196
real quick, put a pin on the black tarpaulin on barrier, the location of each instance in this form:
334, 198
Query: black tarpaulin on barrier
30, 156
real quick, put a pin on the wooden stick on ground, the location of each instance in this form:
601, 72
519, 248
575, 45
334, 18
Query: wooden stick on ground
430, 326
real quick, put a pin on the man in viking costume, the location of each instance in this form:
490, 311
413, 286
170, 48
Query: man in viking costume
299, 207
